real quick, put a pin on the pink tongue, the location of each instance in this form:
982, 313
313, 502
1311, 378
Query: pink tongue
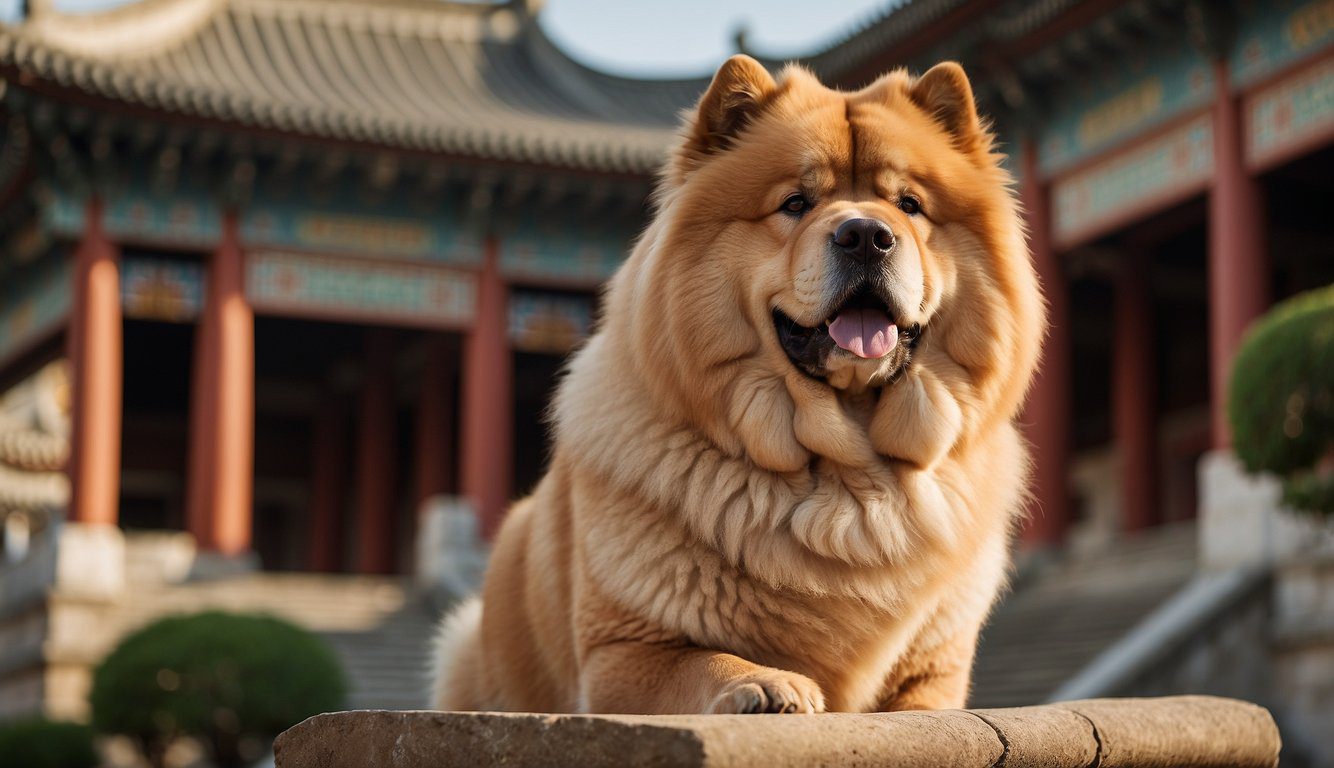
864, 332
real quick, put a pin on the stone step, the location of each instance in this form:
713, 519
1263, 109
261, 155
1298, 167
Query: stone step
376, 627
1062, 616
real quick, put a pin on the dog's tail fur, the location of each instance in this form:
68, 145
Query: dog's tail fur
455, 663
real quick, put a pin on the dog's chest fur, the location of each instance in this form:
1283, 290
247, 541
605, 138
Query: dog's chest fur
846, 633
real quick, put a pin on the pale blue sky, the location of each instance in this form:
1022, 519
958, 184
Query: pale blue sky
683, 37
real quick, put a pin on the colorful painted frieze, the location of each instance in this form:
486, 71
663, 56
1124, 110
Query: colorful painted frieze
134, 213
561, 252
349, 230
552, 323
1102, 111
1289, 114
1273, 34
1134, 181
161, 289
139, 212
186, 220
360, 290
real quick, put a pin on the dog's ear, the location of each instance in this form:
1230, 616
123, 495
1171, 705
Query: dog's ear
737, 94
944, 93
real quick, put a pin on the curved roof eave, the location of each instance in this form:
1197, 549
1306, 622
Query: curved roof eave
457, 78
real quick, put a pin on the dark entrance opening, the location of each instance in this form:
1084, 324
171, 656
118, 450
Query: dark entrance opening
1170, 248
155, 442
535, 378
1301, 229
297, 364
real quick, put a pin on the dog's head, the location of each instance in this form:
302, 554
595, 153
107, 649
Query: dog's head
835, 236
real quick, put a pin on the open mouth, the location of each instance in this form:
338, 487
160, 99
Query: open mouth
862, 327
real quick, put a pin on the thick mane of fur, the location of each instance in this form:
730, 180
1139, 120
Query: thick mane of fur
755, 459
723, 531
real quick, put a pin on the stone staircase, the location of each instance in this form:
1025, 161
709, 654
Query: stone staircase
1061, 615
1058, 618
377, 626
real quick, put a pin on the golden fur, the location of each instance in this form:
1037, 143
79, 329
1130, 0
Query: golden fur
721, 532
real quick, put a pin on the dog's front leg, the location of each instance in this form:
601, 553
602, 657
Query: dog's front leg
636, 677
933, 677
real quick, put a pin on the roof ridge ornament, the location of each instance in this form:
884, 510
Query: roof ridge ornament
122, 32
31, 9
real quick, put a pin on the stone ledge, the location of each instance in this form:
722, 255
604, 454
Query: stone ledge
1181, 731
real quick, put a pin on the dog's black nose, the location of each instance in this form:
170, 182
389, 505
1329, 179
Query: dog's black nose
865, 240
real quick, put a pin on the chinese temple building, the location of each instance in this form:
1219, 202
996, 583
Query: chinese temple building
310, 264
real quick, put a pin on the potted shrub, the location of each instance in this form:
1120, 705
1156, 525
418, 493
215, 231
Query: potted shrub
40, 743
1281, 399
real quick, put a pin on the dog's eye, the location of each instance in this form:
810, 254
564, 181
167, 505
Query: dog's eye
795, 205
910, 205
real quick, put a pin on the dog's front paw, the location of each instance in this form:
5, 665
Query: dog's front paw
769, 691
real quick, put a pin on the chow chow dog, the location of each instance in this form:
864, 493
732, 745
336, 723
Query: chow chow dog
785, 466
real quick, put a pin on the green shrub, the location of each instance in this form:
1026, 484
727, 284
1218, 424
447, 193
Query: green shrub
1281, 402
40, 743
232, 681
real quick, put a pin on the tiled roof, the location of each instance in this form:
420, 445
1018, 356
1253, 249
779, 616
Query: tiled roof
894, 24
464, 79
899, 25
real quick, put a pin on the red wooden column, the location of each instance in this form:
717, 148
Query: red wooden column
222, 417
328, 463
435, 425
1238, 263
375, 459
94, 349
1047, 413
1133, 396
487, 399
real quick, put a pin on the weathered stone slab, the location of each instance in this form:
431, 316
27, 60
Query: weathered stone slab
1179, 731
1042, 737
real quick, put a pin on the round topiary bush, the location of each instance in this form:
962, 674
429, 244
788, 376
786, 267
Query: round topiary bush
232, 681
40, 743
1281, 401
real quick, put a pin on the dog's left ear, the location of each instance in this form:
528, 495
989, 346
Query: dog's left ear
735, 97
944, 93
739, 92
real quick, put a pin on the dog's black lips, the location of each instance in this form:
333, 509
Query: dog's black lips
809, 349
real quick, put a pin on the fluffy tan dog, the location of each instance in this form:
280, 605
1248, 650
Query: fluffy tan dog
786, 465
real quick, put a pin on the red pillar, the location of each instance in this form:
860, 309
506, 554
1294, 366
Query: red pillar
435, 425
94, 349
328, 464
487, 399
1238, 263
1133, 397
375, 459
1047, 413
222, 418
